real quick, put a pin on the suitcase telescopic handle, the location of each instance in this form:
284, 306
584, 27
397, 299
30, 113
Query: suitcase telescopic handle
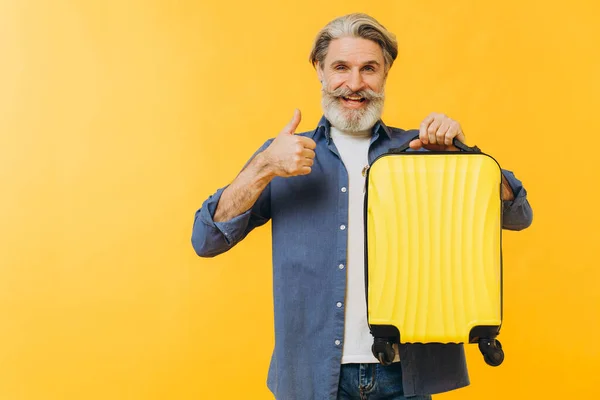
457, 143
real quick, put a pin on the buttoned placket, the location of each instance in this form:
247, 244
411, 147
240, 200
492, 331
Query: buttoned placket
342, 235
342, 243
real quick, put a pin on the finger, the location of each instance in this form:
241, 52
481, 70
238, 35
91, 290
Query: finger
307, 143
440, 135
415, 144
308, 153
431, 131
305, 171
423, 128
461, 136
291, 127
451, 133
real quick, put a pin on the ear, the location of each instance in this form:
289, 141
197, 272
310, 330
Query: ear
319, 71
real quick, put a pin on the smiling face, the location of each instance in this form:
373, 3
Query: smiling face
353, 77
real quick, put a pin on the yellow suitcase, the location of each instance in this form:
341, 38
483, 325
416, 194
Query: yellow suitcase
433, 255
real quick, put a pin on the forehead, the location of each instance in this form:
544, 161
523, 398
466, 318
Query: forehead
353, 50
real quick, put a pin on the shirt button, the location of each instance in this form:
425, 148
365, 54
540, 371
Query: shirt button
338, 304
337, 342
344, 189
341, 266
342, 227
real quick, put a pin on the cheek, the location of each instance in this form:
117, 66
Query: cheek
334, 82
375, 83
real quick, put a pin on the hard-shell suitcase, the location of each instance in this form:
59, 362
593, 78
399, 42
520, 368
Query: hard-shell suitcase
433, 255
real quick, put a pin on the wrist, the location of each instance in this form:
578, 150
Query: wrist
507, 192
264, 167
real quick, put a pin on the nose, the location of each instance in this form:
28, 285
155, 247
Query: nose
355, 82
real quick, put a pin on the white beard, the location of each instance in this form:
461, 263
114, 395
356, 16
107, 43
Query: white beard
350, 120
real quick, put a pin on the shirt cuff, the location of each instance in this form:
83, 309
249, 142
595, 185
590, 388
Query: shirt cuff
233, 229
517, 188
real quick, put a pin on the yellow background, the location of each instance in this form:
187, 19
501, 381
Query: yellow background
118, 118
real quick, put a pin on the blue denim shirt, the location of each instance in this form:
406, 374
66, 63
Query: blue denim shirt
309, 274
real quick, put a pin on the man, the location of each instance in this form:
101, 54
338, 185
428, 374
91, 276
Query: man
311, 187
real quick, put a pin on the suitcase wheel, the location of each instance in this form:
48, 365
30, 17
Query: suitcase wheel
492, 351
383, 351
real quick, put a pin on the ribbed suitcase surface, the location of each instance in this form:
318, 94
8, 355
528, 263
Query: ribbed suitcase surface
434, 245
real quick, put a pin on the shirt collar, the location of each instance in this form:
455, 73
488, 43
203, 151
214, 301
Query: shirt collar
324, 127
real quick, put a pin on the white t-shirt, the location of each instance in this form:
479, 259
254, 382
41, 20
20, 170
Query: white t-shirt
353, 149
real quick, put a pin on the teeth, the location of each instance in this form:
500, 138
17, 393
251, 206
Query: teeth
354, 98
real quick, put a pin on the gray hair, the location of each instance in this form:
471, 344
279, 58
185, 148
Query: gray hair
355, 25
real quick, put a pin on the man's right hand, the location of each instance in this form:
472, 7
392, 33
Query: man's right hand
289, 154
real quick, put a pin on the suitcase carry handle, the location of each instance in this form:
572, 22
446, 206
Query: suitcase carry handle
460, 145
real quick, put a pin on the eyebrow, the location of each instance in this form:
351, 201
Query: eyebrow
370, 62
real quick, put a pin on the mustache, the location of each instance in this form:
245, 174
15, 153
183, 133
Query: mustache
367, 94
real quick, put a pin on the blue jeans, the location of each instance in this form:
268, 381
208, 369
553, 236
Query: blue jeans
372, 382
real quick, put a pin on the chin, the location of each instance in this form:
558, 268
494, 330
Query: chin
352, 119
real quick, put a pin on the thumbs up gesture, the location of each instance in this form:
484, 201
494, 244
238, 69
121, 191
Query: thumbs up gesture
289, 154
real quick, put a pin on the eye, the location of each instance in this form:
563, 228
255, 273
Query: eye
340, 67
369, 68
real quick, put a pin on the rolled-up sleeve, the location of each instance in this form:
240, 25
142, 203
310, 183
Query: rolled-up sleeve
517, 213
210, 238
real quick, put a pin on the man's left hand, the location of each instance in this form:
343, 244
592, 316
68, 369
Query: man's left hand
437, 132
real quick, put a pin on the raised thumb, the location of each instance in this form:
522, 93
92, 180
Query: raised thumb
291, 127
